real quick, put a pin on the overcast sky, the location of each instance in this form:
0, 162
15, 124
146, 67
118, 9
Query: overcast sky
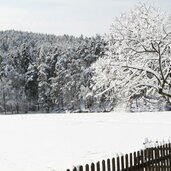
73, 17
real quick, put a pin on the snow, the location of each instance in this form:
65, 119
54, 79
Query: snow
56, 142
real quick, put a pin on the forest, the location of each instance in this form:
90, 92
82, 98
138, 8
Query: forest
47, 73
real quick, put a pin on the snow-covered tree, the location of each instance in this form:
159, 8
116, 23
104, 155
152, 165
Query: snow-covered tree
71, 84
43, 81
25, 58
31, 86
138, 64
46, 71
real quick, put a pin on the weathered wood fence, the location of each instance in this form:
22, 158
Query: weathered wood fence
150, 159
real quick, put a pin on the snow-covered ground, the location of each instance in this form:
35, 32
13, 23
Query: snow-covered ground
55, 142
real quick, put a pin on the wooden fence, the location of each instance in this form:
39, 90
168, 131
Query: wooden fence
150, 159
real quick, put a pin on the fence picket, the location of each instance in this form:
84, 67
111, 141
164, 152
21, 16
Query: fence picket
152, 158
103, 165
131, 160
87, 167
147, 160
142, 160
98, 166
80, 168
108, 165
138, 160
113, 164
122, 162
170, 155
92, 167
126, 162
166, 160
135, 161
118, 163
156, 159
162, 153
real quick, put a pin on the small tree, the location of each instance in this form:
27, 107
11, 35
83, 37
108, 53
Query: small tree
138, 64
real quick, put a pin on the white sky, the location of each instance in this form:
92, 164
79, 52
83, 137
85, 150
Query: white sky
73, 17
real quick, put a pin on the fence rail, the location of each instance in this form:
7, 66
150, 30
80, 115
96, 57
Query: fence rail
150, 159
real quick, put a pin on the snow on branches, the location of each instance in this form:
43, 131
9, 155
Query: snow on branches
138, 64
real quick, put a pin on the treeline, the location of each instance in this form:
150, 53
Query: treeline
48, 73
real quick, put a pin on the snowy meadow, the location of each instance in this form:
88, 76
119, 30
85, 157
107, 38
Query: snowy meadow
56, 142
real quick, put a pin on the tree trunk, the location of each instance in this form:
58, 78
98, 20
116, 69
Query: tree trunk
4, 102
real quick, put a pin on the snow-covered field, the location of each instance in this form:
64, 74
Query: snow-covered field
55, 142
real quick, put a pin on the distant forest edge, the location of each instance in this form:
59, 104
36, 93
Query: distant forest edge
47, 73
128, 69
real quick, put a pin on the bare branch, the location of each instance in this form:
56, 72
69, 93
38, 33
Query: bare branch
148, 71
160, 64
153, 47
164, 94
165, 80
167, 34
166, 46
143, 51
